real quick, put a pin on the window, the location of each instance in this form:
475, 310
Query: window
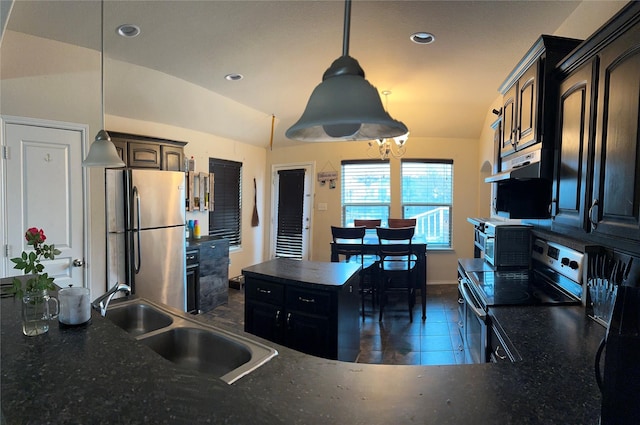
224, 220
427, 196
366, 191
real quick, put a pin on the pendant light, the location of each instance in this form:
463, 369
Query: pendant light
102, 152
345, 106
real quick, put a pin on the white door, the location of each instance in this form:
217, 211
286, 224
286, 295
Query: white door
43, 188
299, 249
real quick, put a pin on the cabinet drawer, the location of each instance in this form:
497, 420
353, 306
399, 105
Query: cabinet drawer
312, 302
214, 249
264, 291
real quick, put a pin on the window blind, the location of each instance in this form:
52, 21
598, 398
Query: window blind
366, 190
224, 220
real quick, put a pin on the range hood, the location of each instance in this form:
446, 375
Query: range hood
519, 167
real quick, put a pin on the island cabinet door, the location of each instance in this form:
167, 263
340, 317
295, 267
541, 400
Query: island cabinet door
310, 334
309, 324
264, 309
264, 320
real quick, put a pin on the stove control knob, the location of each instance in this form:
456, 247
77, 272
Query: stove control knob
573, 265
565, 261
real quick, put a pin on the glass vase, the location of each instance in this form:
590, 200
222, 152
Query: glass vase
37, 309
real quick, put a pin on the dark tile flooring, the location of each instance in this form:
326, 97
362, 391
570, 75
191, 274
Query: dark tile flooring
395, 340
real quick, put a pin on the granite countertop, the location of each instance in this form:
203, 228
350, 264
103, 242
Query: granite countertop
99, 374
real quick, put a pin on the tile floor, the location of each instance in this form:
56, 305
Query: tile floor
394, 340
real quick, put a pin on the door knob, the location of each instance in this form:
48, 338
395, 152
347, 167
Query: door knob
78, 262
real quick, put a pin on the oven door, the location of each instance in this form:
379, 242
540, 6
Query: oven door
474, 325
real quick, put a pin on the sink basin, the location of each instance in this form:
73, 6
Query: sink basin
189, 343
138, 318
200, 350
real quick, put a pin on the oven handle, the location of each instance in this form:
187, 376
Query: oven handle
482, 315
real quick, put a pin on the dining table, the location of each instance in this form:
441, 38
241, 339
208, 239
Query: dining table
371, 246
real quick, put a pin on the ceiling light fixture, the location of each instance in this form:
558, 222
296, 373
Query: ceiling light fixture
128, 30
422, 38
383, 147
233, 77
345, 106
102, 152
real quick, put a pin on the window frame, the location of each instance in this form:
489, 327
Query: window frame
448, 205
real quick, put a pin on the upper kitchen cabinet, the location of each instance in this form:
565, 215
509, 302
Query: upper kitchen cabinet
598, 159
574, 144
616, 196
149, 152
529, 95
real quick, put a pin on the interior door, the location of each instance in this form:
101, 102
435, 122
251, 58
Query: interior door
291, 210
43, 188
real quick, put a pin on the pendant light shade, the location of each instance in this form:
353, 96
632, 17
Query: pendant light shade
103, 153
345, 106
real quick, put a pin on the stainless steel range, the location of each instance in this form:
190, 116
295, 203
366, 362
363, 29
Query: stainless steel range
554, 278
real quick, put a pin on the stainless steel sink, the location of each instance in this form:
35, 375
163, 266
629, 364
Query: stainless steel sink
199, 349
138, 318
189, 343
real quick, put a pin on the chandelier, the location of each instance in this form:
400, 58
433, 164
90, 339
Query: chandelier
384, 148
387, 147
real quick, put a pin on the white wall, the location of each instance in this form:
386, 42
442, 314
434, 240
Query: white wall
56, 81
442, 265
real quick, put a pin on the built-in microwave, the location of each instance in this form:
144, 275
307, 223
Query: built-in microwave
507, 245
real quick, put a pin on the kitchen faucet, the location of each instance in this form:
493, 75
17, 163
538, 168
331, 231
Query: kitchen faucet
102, 302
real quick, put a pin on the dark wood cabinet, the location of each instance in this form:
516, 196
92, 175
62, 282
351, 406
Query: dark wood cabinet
172, 158
213, 274
286, 302
143, 155
499, 348
597, 178
520, 113
529, 95
615, 209
139, 151
574, 144
193, 279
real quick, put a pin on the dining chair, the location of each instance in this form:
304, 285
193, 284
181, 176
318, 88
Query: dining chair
369, 224
352, 249
397, 265
401, 222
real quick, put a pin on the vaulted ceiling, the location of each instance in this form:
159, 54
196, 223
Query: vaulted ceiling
282, 48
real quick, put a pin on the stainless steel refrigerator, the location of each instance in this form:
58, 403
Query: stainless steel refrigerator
146, 233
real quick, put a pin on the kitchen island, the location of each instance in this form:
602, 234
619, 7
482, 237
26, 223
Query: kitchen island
100, 374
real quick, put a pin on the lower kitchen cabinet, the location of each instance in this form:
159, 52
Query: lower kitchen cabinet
213, 273
311, 307
499, 347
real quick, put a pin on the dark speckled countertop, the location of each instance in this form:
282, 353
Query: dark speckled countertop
101, 375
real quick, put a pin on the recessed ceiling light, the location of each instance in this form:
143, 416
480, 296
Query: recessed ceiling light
233, 77
422, 38
128, 30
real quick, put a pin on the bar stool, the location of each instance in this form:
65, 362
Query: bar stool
401, 222
397, 265
369, 224
352, 249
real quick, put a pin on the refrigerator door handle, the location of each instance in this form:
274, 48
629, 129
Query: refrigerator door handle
137, 260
